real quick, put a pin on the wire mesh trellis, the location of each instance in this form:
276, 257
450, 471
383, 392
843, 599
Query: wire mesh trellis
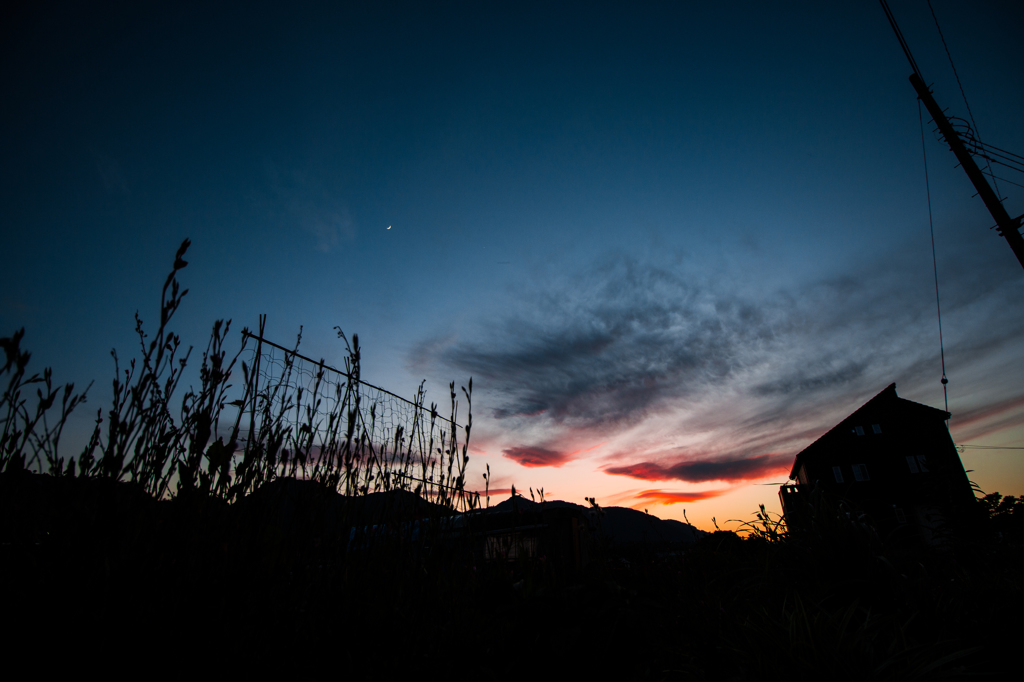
302, 417
291, 417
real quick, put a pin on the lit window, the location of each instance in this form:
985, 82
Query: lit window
838, 474
912, 463
860, 472
859, 430
877, 428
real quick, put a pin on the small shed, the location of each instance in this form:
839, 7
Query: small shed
517, 530
893, 461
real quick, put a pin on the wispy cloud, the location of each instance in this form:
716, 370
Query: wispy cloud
328, 227
985, 412
811, 379
989, 418
638, 338
691, 380
305, 203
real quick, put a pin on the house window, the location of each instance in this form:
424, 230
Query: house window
877, 428
859, 430
900, 516
917, 463
860, 472
838, 474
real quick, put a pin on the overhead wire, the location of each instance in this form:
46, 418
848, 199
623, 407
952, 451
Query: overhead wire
1011, 165
997, 177
899, 36
935, 266
959, 84
979, 148
928, 192
992, 149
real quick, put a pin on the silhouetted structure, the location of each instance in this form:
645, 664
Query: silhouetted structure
562, 537
893, 461
519, 530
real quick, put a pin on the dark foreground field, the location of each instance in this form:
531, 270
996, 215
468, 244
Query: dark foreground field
98, 575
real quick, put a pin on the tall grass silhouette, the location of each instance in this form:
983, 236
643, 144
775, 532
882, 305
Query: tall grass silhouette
225, 441
250, 499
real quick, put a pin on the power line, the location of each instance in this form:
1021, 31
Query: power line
959, 84
935, 266
992, 149
899, 36
997, 177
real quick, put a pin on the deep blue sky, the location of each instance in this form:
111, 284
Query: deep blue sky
655, 236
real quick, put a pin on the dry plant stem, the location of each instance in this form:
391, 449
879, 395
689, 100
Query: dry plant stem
290, 430
27, 440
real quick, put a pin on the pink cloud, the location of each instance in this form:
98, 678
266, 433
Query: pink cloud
494, 492
701, 471
674, 497
967, 417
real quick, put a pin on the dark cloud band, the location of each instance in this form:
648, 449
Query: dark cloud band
703, 471
537, 457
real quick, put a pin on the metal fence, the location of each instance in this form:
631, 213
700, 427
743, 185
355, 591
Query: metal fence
404, 443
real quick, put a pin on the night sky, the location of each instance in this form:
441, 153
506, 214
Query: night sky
672, 243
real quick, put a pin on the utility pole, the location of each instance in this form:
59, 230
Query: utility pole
1008, 227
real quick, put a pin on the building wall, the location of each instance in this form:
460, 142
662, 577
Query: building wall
894, 460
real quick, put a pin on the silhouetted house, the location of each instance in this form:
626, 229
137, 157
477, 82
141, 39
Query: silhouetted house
892, 460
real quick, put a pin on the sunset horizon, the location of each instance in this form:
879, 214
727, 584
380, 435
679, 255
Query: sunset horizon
672, 246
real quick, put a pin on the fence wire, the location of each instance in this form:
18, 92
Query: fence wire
327, 414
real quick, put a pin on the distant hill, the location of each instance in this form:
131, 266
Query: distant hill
291, 501
622, 525
303, 501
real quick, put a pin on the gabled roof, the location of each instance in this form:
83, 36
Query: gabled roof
884, 405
